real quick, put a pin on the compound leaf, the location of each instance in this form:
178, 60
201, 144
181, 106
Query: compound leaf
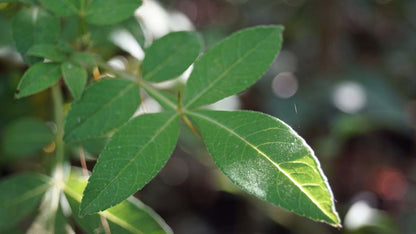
75, 78
232, 65
34, 26
38, 78
26, 136
104, 106
20, 194
170, 56
134, 155
62, 7
267, 158
48, 51
100, 12
130, 216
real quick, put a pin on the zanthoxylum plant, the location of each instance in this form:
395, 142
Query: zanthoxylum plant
259, 153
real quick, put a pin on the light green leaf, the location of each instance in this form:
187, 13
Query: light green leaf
34, 26
267, 158
130, 216
170, 56
104, 106
167, 101
26, 136
134, 155
232, 65
38, 78
100, 12
83, 59
48, 51
62, 7
20, 194
75, 78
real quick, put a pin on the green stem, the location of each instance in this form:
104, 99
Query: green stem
58, 106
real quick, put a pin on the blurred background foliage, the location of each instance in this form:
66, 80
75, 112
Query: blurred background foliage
345, 80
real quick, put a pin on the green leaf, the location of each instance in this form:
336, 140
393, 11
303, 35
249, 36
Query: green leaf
48, 51
26, 136
170, 56
100, 12
134, 155
62, 7
130, 216
104, 106
38, 78
20, 194
267, 158
83, 59
75, 78
232, 65
34, 26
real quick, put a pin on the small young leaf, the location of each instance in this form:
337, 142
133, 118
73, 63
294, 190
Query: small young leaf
20, 194
267, 158
62, 7
134, 155
100, 12
75, 78
48, 51
38, 78
232, 65
34, 26
130, 216
104, 106
170, 56
26, 136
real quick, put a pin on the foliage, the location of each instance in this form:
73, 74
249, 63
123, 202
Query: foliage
259, 153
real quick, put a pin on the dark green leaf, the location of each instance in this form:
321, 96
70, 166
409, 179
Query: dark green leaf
100, 12
134, 155
34, 26
26, 136
62, 7
267, 158
38, 78
48, 51
75, 78
170, 56
130, 216
232, 65
20, 194
104, 106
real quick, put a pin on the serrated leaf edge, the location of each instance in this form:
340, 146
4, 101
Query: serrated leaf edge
329, 215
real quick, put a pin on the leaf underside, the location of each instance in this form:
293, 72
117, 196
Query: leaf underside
130, 216
267, 158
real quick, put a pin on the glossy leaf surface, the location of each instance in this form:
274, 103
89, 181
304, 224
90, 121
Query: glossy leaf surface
265, 157
134, 155
105, 105
20, 194
232, 65
130, 216
75, 78
47, 51
34, 26
102, 12
38, 78
170, 56
26, 136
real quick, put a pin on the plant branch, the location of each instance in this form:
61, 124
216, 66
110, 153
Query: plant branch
58, 106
